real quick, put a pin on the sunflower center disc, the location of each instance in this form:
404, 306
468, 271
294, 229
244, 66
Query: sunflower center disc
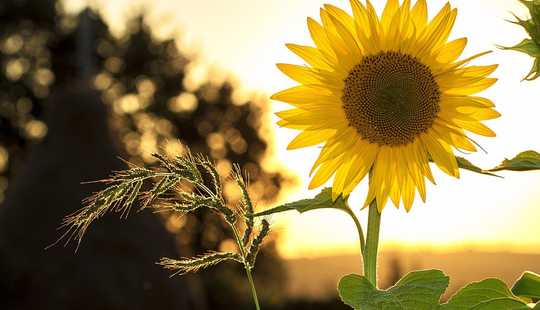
391, 98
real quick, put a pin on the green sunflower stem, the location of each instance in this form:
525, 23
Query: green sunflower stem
372, 244
360, 231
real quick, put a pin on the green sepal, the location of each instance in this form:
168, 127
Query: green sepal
526, 46
530, 46
535, 71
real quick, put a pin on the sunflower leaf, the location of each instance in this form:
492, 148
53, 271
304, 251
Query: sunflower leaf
419, 290
525, 161
323, 200
487, 294
528, 286
467, 165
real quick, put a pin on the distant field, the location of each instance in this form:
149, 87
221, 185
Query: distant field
317, 278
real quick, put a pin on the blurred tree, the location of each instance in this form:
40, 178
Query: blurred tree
149, 86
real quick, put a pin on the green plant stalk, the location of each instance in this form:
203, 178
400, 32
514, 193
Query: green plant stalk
246, 266
372, 244
252, 285
360, 233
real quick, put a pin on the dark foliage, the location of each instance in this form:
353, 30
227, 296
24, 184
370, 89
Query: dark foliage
143, 83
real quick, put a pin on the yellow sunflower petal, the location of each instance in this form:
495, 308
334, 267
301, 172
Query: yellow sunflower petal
384, 166
303, 117
454, 137
338, 46
301, 74
342, 16
441, 154
482, 114
375, 27
364, 162
476, 127
310, 138
354, 52
311, 55
340, 177
436, 32
419, 15
451, 51
286, 124
318, 35
325, 171
336, 146
303, 94
472, 88
308, 76
408, 194
389, 12
361, 18
362, 26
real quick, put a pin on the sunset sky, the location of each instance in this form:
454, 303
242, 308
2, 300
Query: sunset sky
247, 37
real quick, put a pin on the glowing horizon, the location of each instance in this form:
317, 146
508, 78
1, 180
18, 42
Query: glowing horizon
247, 38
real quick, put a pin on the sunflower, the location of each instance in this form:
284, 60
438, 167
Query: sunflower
385, 96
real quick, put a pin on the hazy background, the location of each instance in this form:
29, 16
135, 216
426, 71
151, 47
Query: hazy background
223, 60
246, 38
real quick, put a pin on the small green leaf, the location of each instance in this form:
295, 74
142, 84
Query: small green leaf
419, 290
323, 200
525, 161
479, 293
467, 165
528, 286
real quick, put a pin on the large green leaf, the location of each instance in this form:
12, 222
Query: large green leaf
419, 290
323, 200
528, 286
487, 294
525, 161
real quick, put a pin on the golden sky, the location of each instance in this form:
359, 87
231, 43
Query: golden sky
247, 37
